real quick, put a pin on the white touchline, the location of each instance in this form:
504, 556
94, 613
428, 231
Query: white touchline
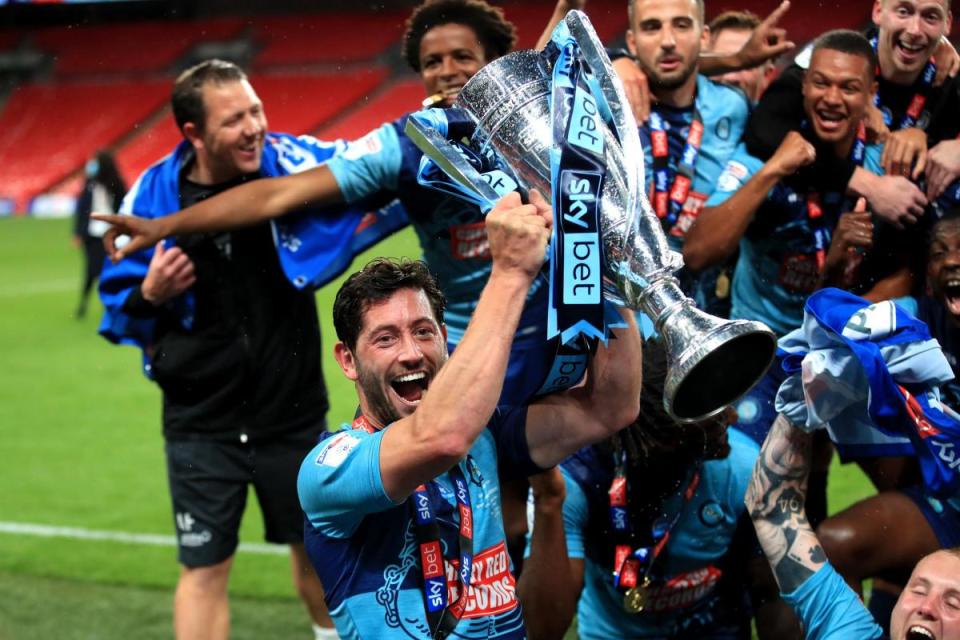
18, 289
79, 533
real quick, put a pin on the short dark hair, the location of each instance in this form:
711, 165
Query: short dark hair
737, 20
848, 41
630, 10
494, 32
376, 282
187, 98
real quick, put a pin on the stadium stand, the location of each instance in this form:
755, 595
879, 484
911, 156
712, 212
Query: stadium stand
133, 47
312, 71
391, 103
325, 38
51, 130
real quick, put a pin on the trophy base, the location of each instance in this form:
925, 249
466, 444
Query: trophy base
717, 369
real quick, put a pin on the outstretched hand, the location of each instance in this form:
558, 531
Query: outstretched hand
143, 233
767, 41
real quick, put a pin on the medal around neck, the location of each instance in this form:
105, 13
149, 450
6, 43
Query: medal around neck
560, 123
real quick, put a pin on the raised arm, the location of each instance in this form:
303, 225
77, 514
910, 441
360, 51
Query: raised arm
244, 205
766, 43
776, 501
717, 231
463, 396
551, 582
609, 400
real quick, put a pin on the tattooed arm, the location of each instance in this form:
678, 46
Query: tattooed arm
775, 500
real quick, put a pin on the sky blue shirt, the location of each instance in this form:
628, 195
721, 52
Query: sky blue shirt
777, 268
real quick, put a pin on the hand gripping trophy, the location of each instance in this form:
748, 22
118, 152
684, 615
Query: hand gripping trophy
560, 123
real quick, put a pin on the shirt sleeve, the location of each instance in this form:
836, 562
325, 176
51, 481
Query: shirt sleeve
340, 482
740, 168
509, 428
369, 165
830, 610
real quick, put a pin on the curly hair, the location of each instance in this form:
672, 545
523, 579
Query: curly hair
494, 32
376, 282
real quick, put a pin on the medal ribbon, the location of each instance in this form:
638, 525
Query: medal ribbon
924, 83
670, 198
442, 615
628, 560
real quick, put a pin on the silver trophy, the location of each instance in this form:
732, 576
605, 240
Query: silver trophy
712, 361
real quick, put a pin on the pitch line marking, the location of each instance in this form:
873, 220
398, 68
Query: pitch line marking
80, 533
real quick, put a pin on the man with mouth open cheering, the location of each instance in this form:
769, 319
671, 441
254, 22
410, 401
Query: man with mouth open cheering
403, 510
929, 606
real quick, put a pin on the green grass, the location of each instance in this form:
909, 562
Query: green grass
81, 446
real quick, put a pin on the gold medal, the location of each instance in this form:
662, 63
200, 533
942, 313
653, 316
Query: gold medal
723, 285
636, 598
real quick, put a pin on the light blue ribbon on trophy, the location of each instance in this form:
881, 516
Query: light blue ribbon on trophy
577, 173
457, 169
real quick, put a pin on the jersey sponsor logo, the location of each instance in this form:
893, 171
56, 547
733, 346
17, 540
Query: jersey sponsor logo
469, 241
337, 450
683, 590
872, 323
492, 588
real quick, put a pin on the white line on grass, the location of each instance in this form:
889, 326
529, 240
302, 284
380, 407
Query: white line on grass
32, 288
79, 533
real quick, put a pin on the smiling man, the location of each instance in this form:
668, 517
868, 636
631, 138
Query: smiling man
918, 111
211, 315
403, 510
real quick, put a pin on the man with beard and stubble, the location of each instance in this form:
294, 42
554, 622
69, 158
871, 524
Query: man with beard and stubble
403, 510
693, 129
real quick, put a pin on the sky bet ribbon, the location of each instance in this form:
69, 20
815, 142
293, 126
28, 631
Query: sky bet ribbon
577, 172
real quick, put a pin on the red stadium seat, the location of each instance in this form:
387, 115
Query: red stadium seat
394, 101
326, 37
51, 130
134, 47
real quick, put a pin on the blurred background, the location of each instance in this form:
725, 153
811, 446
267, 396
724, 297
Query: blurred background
86, 544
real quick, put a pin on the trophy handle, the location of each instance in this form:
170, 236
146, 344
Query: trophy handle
436, 147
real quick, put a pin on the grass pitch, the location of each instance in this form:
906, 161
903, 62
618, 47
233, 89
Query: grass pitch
82, 447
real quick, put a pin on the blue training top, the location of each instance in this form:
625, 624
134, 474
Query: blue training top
364, 548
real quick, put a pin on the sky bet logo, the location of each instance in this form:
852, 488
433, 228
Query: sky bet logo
422, 501
579, 201
434, 574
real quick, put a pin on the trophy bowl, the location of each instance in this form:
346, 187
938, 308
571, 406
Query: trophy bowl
712, 362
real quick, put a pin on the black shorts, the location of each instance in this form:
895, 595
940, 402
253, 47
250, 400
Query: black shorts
208, 487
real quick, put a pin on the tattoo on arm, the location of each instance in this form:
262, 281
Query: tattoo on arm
776, 501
